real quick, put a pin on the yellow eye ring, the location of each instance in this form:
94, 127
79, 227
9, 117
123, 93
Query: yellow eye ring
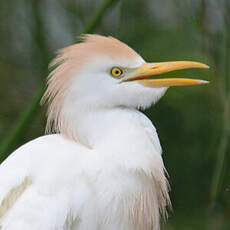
116, 72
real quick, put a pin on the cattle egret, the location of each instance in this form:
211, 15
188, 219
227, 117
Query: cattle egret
103, 169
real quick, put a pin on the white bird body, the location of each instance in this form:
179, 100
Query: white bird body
104, 171
70, 182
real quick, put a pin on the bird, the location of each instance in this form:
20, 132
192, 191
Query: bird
99, 164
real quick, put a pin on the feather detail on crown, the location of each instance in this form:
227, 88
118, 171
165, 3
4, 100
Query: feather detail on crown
67, 65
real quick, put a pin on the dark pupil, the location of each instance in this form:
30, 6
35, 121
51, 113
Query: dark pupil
117, 72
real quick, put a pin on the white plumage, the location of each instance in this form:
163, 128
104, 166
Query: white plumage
104, 170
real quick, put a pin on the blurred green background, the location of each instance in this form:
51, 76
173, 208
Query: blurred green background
192, 122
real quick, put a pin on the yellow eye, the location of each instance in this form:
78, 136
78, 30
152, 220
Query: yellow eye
116, 72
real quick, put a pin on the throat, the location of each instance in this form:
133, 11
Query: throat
110, 128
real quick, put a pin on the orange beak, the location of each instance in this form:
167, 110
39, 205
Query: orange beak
142, 73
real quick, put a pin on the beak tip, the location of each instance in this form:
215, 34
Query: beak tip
204, 82
206, 66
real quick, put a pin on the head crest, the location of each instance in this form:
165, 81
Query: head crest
67, 65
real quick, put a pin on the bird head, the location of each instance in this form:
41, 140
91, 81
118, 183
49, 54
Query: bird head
102, 72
